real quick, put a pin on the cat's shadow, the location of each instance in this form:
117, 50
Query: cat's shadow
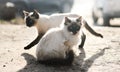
80, 65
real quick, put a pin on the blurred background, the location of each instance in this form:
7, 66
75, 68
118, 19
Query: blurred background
9, 9
12, 9
102, 12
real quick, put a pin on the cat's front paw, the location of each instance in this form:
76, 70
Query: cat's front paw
101, 35
26, 48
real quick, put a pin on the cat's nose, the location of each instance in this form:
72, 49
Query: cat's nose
74, 32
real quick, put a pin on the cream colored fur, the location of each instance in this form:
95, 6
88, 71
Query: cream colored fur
56, 42
46, 22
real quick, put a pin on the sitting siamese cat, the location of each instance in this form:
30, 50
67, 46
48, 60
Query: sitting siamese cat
59, 45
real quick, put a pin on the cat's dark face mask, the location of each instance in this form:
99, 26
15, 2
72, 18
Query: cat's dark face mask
31, 19
74, 28
30, 22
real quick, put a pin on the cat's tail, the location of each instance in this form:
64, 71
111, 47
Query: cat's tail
91, 30
60, 61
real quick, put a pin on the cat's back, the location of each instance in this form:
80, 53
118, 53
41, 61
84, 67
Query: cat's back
57, 18
62, 15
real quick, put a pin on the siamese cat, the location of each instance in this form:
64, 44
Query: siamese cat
59, 45
44, 22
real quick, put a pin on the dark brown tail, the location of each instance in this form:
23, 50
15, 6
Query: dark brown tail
91, 30
58, 61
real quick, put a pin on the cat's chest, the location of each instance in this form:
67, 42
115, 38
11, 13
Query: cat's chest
72, 40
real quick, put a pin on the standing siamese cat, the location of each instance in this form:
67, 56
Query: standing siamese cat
44, 22
59, 45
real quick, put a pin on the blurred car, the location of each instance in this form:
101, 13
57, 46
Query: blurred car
43, 6
107, 9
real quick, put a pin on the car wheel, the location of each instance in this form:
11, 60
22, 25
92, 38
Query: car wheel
106, 20
95, 18
65, 8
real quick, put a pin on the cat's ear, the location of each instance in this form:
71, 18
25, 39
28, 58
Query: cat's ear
79, 19
67, 21
25, 13
36, 14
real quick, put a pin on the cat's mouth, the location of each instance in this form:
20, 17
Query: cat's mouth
74, 32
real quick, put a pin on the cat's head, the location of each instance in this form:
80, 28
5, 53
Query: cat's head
31, 18
73, 25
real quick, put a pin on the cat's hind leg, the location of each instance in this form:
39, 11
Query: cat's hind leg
83, 38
